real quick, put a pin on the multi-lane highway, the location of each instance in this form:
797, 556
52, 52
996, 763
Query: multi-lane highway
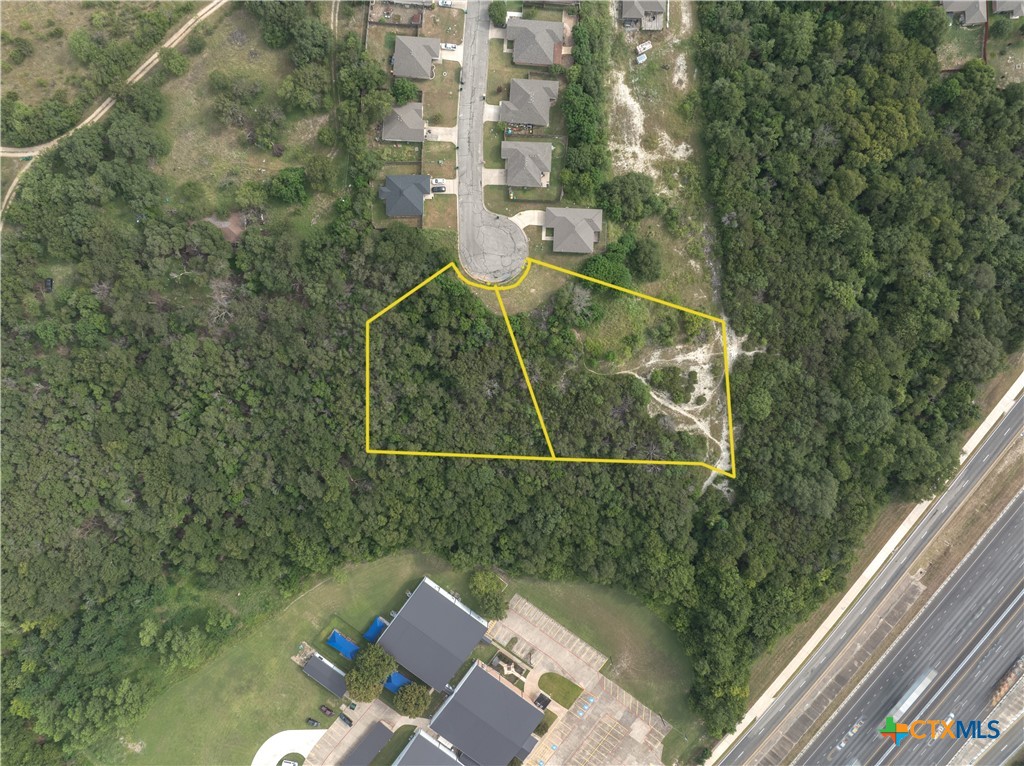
748, 748
970, 633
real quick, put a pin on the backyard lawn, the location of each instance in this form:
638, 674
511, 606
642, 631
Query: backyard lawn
959, 45
380, 44
441, 94
252, 689
444, 23
1006, 53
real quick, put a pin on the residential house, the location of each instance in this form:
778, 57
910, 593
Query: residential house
1013, 7
575, 229
970, 13
529, 102
405, 123
415, 56
649, 15
403, 198
527, 163
535, 43
424, 750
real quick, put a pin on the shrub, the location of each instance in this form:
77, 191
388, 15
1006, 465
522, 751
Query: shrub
173, 61
497, 10
289, 185
487, 588
404, 91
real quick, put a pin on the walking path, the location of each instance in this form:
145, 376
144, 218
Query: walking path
491, 247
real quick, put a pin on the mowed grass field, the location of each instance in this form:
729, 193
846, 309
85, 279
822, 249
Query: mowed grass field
251, 690
225, 710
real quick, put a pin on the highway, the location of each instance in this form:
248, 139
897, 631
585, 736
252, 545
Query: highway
747, 749
971, 633
1010, 743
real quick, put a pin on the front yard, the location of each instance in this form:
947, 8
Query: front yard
441, 94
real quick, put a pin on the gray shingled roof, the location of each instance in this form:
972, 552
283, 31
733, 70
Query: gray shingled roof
576, 228
974, 11
527, 163
1013, 7
635, 9
371, 743
433, 634
529, 102
326, 674
534, 41
424, 750
403, 196
415, 57
405, 123
486, 719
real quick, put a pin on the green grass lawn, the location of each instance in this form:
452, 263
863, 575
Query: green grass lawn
441, 94
959, 45
501, 71
251, 690
560, 689
1006, 53
439, 159
441, 212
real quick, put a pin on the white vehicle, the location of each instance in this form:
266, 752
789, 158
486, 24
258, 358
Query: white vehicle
450, 46
437, 182
644, 47
641, 58
445, 3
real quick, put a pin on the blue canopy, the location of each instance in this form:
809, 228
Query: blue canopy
395, 682
347, 648
373, 632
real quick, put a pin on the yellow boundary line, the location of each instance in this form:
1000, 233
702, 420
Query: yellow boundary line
552, 458
526, 375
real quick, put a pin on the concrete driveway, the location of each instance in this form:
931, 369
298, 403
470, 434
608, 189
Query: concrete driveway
299, 741
451, 135
494, 176
529, 218
491, 247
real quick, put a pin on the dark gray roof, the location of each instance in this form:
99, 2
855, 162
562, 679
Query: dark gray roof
327, 675
1013, 7
415, 57
433, 634
534, 41
635, 9
526, 162
576, 228
486, 719
405, 123
367, 748
403, 195
974, 11
527, 749
529, 102
424, 750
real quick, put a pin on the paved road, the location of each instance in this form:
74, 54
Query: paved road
971, 633
1010, 743
491, 248
744, 749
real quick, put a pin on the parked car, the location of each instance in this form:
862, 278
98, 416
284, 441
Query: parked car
326, 711
345, 719
438, 189
445, 3
312, 722
450, 46
48, 284
437, 181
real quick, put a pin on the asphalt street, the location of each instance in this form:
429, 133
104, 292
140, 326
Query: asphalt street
491, 247
746, 748
971, 633
1009, 744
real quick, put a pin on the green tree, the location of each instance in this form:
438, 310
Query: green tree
289, 185
413, 700
404, 91
926, 24
487, 588
173, 61
497, 11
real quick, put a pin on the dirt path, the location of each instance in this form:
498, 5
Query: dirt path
144, 68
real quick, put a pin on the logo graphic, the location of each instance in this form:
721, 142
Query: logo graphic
897, 732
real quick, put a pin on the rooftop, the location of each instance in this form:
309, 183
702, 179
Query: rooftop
433, 634
527, 163
576, 229
974, 11
405, 123
529, 102
403, 197
424, 750
327, 675
538, 43
415, 57
486, 719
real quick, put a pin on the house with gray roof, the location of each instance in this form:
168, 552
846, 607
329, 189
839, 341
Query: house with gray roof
968, 12
325, 673
487, 719
649, 15
529, 102
415, 56
403, 198
368, 746
424, 750
405, 123
535, 43
1013, 7
433, 633
576, 229
527, 163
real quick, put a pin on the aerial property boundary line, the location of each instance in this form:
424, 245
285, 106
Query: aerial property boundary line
552, 457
